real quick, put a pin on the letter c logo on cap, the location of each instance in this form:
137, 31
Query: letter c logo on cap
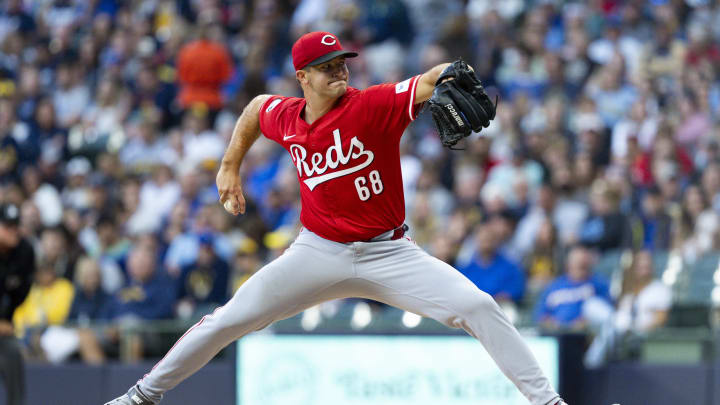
328, 40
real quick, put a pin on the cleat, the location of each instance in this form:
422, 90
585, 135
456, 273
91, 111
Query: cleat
133, 397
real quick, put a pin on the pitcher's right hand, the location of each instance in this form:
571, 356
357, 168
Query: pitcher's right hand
230, 190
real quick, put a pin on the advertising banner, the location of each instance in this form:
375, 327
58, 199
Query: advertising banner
378, 370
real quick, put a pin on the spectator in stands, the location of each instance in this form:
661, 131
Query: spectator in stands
443, 248
30, 223
203, 66
576, 298
518, 78
91, 302
701, 48
90, 306
606, 227
42, 194
611, 94
14, 15
154, 94
529, 225
17, 265
666, 161
56, 252
276, 211
27, 145
76, 193
544, 260
112, 243
105, 242
699, 225
570, 213
71, 96
184, 248
48, 303
491, 271
654, 223
105, 115
645, 301
146, 148
695, 124
639, 127
247, 262
158, 194
585, 170
468, 181
643, 306
664, 56
592, 132
201, 144
423, 220
387, 20
506, 177
9, 149
710, 182
148, 295
203, 285
52, 140
439, 198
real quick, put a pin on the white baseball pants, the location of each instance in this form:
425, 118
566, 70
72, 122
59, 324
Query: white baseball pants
396, 272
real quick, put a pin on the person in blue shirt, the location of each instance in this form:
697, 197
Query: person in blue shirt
203, 285
561, 304
491, 271
90, 302
149, 293
606, 227
88, 313
654, 221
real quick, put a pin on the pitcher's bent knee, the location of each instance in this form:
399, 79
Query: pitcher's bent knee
477, 304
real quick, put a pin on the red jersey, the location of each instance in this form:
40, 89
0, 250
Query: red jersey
348, 160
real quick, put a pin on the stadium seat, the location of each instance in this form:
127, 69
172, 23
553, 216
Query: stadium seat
660, 262
696, 281
609, 263
689, 316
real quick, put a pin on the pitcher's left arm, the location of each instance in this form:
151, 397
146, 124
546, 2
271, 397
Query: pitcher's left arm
426, 83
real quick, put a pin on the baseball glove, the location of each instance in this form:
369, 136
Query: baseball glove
460, 105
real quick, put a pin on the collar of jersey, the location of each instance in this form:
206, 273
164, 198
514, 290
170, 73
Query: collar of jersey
343, 99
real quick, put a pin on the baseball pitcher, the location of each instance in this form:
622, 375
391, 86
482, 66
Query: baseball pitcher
344, 143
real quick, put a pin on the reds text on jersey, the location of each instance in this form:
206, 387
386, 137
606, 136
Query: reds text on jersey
348, 160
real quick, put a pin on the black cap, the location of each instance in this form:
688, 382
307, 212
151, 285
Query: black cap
9, 214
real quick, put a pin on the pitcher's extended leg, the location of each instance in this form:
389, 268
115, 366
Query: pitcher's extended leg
303, 276
408, 278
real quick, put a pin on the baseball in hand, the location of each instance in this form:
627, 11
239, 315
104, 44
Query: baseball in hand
228, 206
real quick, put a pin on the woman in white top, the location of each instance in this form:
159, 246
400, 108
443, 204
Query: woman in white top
645, 301
643, 306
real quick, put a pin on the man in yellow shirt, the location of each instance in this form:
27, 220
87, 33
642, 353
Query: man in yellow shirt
48, 302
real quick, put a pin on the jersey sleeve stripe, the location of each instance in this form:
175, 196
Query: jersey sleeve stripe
413, 87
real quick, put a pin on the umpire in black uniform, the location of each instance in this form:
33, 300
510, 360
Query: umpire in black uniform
17, 265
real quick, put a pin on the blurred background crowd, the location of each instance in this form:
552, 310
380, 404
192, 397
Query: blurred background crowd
592, 199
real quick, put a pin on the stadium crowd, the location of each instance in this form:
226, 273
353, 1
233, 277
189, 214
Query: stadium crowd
114, 115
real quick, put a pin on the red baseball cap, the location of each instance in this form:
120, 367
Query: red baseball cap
317, 47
